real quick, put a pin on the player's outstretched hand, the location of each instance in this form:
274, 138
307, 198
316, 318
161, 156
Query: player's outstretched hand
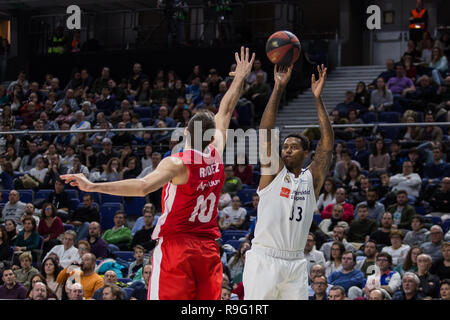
78, 180
282, 75
243, 63
317, 85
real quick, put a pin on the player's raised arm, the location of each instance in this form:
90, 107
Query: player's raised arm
169, 169
243, 68
269, 169
324, 150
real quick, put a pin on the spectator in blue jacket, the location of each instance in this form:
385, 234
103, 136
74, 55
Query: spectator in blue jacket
434, 172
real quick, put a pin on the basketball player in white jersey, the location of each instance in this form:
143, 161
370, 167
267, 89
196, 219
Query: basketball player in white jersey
275, 268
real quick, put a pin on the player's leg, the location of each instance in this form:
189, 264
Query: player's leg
171, 277
208, 270
296, 286
261, 276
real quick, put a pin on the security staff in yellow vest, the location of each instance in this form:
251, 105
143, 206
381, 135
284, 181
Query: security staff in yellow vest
418, 22
58, 42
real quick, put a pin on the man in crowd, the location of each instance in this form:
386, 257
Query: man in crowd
110, 277
232, 217
99, 247
410, 288
407, 180
11, 289
348, 276
82, 217
341, 200
66, 252
433, 247
14, 208
418, 234
361, 229
312, 255
327, 225
338, 235
402, 212
376, 208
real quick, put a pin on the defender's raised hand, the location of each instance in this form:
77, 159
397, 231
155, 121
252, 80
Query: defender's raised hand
243, 64
317, 85
282, 75
77, 180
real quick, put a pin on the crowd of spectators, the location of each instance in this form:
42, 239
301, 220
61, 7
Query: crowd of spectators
380, 228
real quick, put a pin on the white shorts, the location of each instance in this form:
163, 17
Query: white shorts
275, 275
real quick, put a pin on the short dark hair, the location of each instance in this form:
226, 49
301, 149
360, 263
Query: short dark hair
120, 212
419, 217
340, 288
386, 255
363, 205
402, 192
206, 118
304, 140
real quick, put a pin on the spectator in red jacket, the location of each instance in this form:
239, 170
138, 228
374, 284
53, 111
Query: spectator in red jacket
340, 199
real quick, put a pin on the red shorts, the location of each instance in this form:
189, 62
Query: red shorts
186, 268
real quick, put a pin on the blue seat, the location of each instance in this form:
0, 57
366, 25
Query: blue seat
107, 211
233, 235
421, 210
434, 220
234, 243
94, 204
389, 117
68, 227
391, 132
317, 219
94, 195
73, 194
369, 117
26, 196
124, 280
73, 204
5, 195
133, 205
246, 194
146, 122
110, 198
42, 194
125, 255
143, 112
446, 225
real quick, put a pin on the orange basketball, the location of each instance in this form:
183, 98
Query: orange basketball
283, 48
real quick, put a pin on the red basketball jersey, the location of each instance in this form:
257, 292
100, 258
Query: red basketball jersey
191, 208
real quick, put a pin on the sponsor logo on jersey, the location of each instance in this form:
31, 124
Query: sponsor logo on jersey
303, 181
285, 192
211, 183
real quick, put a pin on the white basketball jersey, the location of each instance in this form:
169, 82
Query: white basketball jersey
285, 211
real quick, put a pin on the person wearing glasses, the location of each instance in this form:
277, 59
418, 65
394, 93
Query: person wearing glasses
320, 286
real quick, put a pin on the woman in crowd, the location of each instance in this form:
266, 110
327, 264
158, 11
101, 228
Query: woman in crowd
381, 99
411, 70
11, 230
236, 262
397, 250
410, 263
50, 271
439, 65
131, 169
379, 159
112, 170
143, 94
186, 115
27, 239
50, 226
11, 156
329, 194
5, 248
40, 170
146, 160
362, 96
334, 264
7, 118
352, 177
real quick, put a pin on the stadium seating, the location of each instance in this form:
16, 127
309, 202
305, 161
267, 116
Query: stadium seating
73, 204
133, 206
369, 117
26, 196
68, 227
234, 243
246, 194
110, 198
317, 219
446, 225
5, 194
43, 194
107, 211
125, 255
389, 117
233, 235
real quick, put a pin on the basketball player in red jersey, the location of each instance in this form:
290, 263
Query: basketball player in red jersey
186, 261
